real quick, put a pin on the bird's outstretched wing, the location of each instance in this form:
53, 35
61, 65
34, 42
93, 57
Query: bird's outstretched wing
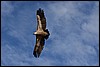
41, 17
39, 45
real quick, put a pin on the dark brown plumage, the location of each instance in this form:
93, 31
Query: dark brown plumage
41, 33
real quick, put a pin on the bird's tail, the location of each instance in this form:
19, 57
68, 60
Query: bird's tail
47, 36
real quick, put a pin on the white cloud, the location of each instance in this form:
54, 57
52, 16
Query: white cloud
93, 24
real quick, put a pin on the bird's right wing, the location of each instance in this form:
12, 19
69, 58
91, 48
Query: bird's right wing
41, 19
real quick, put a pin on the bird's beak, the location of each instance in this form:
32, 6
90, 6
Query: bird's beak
34, 33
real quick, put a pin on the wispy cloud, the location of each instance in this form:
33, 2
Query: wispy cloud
74, 28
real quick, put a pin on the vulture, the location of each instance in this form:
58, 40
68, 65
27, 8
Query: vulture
41, 33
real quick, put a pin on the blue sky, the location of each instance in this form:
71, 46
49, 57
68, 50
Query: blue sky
74, 29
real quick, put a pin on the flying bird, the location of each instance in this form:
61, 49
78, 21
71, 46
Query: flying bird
41, 33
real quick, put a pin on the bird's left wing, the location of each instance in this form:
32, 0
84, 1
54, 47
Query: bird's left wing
39, 45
